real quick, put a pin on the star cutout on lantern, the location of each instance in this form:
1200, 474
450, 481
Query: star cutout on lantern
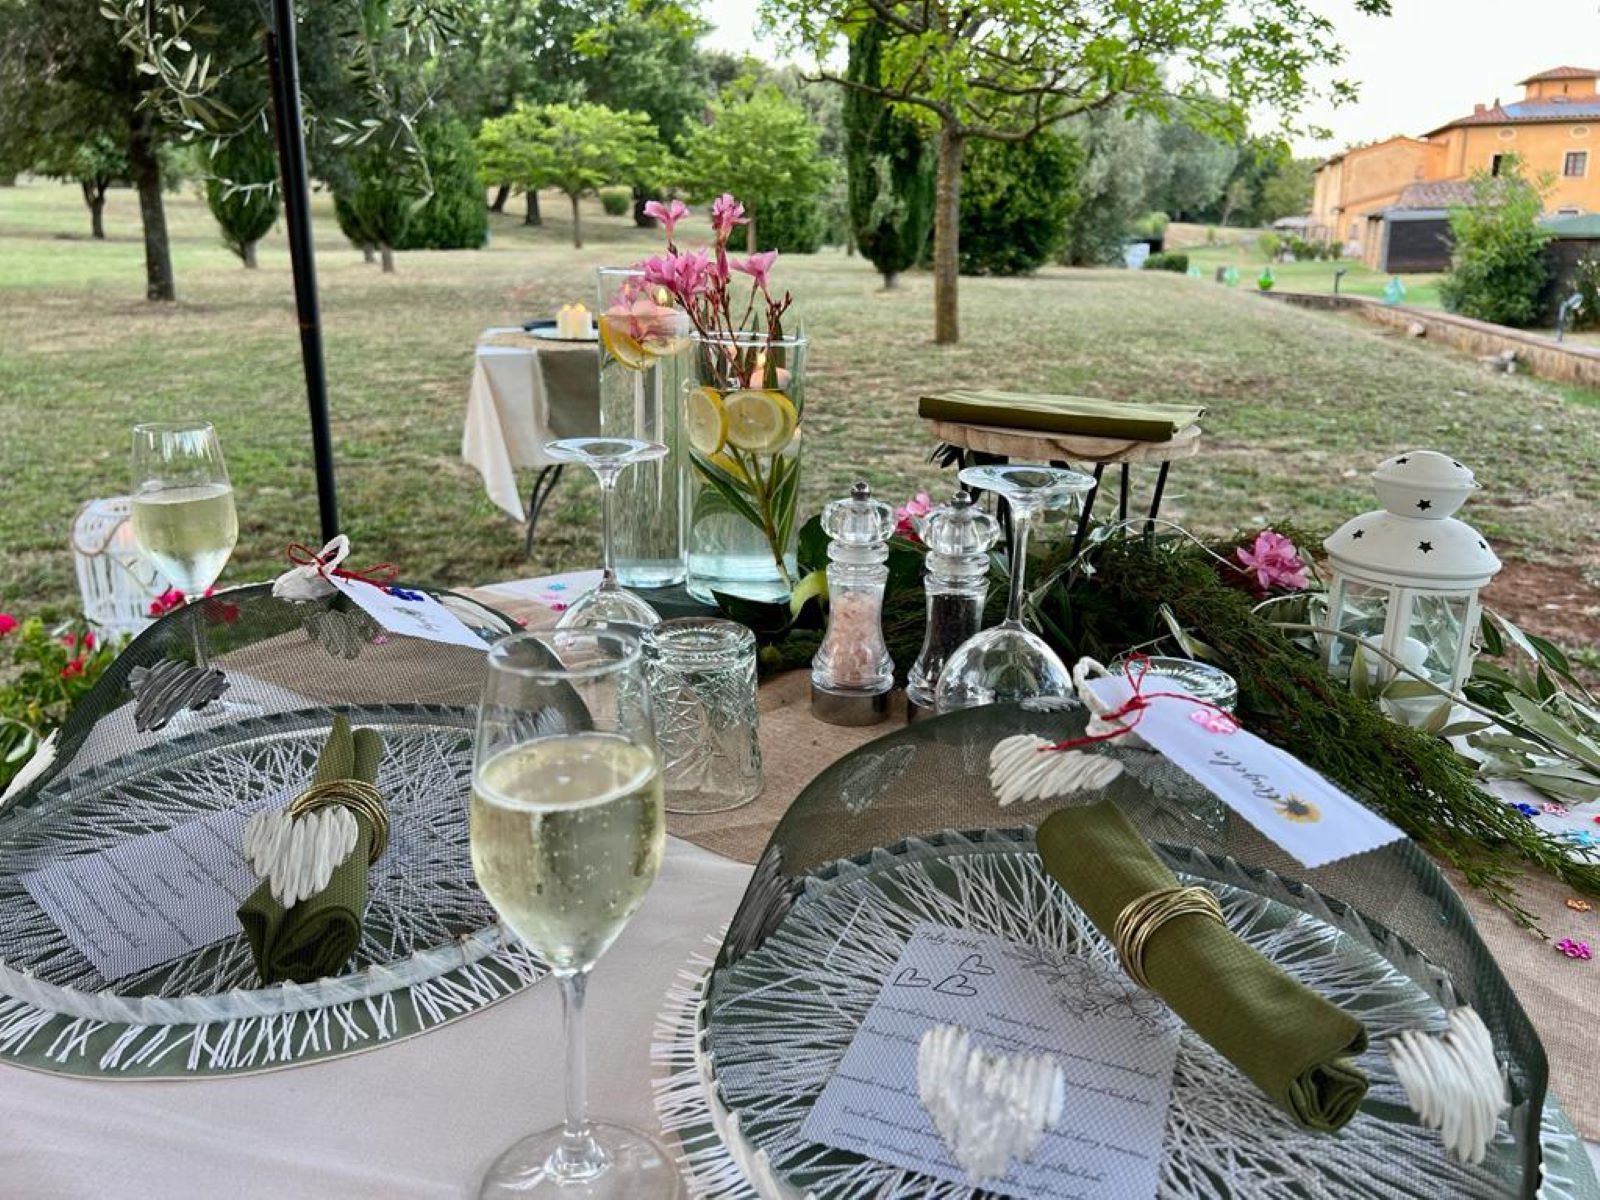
1360, 533
1424, 505
1400, 462
1425, 547
1482, 545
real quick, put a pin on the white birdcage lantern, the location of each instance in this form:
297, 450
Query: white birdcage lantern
115, 581
1405, 579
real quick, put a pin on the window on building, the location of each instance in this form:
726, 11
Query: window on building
1495, 162
1576, 164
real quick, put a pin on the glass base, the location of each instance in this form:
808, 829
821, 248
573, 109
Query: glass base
632, 1166
1000, 665
608, 606
657, 573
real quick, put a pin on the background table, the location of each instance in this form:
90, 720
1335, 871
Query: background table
527, 391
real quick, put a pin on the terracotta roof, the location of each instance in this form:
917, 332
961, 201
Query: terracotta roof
1562, 73
1530, 112
1442, 193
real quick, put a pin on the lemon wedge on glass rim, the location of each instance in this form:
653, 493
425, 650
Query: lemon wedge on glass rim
759, 421
705, 421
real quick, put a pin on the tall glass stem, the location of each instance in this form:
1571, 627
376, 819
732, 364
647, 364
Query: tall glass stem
579, 1156
608, 486
1020, 519
197, 628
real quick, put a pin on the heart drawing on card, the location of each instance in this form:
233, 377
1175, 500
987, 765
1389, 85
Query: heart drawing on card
973, 964
911, 977
955, 985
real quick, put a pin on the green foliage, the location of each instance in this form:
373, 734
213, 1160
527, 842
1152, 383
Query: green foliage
1167, 262
1121, 168
889, 163
374, 201
46, 673
1586, 283
1269, 245
762, 147
1152, 226
242, 191
794, 224
1016, 200
1286, 191
1196, 168
1498, 268
454, 217
616, 201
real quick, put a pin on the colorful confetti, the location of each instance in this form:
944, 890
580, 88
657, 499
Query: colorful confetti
1214, 721
1581, 837
1552, 809
1526, 810
1574, 949
1579, 904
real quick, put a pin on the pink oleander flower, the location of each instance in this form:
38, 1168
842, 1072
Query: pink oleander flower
7, 623
1273, 563
726, 212
684, 275
669, 214
907, 514
756, 266
73, 669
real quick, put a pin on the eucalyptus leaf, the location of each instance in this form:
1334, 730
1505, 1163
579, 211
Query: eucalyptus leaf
1360, 684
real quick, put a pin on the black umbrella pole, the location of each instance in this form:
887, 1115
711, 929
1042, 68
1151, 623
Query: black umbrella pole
284, 69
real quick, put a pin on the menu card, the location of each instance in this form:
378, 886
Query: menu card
1115, 1043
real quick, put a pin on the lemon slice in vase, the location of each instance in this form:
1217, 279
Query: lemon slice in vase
705, 421
760, 422
623, 346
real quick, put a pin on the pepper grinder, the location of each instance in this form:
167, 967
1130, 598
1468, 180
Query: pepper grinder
958, 536
852, 673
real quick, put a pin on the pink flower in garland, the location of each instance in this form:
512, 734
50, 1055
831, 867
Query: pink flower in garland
1273, 563
907, 514
757, 266
170, 599
7, 623
726, 212
669, 213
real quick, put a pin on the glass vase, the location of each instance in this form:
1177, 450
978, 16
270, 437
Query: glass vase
741, 420
643, 362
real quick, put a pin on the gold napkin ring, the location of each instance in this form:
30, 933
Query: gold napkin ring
360, 798
1141, 917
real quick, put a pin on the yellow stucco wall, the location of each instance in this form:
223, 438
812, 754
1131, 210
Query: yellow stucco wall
1544, 89
1541, 147
1367, 178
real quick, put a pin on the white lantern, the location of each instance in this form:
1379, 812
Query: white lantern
1405, 579
115, 581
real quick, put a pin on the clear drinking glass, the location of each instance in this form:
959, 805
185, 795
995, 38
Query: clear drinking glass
702, 676
1010, 662
567, 837
607, 458
184, 519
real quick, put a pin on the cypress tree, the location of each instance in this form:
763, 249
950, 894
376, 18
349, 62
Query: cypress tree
890, 167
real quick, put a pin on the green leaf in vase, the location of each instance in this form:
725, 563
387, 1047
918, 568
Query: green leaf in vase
726, 486
767, 619
812, 554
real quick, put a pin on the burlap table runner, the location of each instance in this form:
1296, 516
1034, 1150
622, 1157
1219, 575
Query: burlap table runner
1558, 993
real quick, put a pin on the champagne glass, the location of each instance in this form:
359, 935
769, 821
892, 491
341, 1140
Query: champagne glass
607, 458
567, 835
1010, 661
184, 520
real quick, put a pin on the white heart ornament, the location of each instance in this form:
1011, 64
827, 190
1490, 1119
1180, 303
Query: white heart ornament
297, 856
989, 1108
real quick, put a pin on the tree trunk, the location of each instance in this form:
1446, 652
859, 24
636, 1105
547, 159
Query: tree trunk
388, 257
891, 281
946, 238
577, 227
367, 254
94, 195
147, 177
750, 233
640, 218
533, 217
501, 195
249, 256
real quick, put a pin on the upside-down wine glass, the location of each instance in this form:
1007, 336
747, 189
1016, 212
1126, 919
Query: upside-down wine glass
609, 602
567, 831
1010, 661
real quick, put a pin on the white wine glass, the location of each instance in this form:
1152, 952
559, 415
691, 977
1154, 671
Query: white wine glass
1010, 661
609, 602
568, 831
184, 519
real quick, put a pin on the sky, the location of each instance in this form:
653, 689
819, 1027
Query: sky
1427, 64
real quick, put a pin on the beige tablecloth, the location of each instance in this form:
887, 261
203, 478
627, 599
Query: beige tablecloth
525, 392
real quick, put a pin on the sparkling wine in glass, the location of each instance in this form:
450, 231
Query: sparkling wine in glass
567, 835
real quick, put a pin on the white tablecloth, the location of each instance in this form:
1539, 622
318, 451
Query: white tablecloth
511, 414
422, 1118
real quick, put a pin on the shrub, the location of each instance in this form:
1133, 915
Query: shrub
1151, 227
454, 218
617, 201
1167, 262
1016, 200
241, 191
793, 224
1269, 244
1211, 236
45, 672
1498, 268
1335, 250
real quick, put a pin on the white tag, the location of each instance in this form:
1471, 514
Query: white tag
409, 613
1286, 800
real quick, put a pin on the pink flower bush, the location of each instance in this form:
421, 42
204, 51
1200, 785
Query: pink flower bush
169, 600
7, 623
173, 599
908, 514
1272, 563
669, 214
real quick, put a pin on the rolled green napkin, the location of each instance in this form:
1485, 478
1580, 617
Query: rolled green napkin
1088, 416
316, 937
1289, 1041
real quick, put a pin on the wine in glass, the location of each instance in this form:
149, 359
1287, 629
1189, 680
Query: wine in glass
1010, 661
567, 836
610, 602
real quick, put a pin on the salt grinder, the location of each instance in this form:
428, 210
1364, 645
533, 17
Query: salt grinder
852, 673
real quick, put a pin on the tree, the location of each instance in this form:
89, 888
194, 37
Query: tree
1197, 169
889, 164
1287, 191
1498, 268
1016, 201
1117, 182
760, 146
1007, 70
374, 203
94, 164
242, 191
453, 217
577, 149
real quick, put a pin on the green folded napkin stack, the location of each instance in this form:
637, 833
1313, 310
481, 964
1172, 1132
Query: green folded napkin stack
317, 936
1289, 1041
1085, 416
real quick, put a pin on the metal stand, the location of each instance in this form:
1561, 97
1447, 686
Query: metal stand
543, 484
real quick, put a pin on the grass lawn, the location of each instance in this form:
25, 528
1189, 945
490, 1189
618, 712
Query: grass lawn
1302, 404
1422, 291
